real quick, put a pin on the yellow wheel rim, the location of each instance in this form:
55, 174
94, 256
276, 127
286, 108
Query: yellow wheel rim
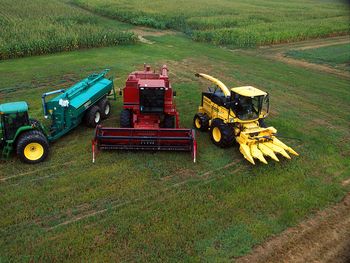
197, 122
216, 134
33, 151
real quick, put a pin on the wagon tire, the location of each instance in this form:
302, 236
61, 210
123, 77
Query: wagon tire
105, 107
32, 147
93, 116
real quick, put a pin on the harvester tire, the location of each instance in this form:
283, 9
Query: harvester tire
125, 118
32, 147
221, 134
93, 116
169, 121
201, 121
105, 108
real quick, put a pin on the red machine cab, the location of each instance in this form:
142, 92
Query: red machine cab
148, 101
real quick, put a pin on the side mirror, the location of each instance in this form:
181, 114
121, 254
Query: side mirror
174, 93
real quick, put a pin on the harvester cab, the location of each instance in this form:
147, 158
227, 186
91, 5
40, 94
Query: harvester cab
85, 101
149, 101
149, 119
237, 114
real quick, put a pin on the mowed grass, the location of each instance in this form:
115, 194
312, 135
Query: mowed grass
141, 206
337, 56
240, 24
39, 27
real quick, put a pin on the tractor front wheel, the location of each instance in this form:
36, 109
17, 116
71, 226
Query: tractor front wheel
221, 134
201, 121
93, 116
105, 108
32, 147
125, 118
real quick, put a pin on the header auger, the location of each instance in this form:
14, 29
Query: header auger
238, 114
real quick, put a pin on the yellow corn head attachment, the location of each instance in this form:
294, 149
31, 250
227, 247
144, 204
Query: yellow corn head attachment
257, 142
240, 112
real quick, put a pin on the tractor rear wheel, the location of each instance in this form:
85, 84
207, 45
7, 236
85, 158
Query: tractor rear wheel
201, 121
93, 116
105, 108
125, 118
221, 134
32, 147
169, 121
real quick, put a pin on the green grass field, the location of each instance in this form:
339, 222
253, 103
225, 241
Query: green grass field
40, 27
337, 56
139, 206
235, 23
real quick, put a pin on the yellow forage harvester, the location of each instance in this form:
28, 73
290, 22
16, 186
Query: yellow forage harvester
237, 114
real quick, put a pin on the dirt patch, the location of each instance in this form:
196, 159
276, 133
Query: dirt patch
324, 238
306, 44
145, 31
276, 52
346, 182
144, 40
318, 45
302, 63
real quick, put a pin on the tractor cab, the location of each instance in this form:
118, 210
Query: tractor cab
12, 116
249, 103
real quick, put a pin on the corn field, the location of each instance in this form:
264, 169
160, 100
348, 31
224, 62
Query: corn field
47, 26
237, 23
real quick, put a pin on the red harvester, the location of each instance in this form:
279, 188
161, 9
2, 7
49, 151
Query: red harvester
149, 119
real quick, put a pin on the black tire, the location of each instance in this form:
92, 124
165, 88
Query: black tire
262, 123
93, 116
169, 121
201, 121
105, 108
221, 134
32, 147
125, 118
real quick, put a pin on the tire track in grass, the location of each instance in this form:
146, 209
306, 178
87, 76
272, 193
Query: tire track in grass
4, 179
200, 179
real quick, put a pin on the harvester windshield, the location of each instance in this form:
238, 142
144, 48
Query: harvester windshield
249, 108
151, 100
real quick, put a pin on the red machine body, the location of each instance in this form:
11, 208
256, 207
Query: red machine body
149, 119
150, 98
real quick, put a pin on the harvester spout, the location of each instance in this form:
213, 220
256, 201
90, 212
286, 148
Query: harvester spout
217, 82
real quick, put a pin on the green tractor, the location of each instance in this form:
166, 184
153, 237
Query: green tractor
20, 133
86, 101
